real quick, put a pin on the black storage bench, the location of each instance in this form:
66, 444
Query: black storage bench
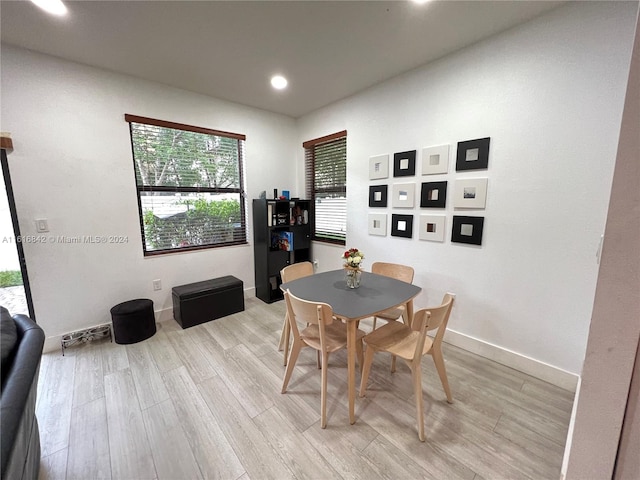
200, 302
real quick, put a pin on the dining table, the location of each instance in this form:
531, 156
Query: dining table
375, 294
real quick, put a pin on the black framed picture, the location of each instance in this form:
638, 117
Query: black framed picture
404, 164
433, 195
402, 226
473, 154
378, 196
467, 230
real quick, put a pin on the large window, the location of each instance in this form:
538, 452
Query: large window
326, 183
190, 185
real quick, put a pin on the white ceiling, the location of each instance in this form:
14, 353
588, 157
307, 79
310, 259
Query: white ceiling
229, 49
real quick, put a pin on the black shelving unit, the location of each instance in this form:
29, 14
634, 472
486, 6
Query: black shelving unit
281, 236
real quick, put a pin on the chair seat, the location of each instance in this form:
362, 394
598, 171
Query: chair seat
335, 333
392, 313
397, 339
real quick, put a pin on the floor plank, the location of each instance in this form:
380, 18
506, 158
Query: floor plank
128, 445
209, 445
172, 454
89, 442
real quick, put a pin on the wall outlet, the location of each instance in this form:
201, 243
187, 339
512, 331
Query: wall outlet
157, 285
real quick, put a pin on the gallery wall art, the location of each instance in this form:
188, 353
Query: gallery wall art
378, 196
470, 193
378, 224
433, 195
432, 227
404, 164
435, 160
378, 167
402, 226
467, 230
473, 154
403, 195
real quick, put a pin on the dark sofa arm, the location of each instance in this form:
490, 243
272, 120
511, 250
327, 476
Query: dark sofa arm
17, 384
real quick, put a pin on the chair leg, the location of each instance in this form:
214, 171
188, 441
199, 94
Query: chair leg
285, 324
323, 394
368, 359
416, 373
295, 351
436, 354
287, 339
318, 359
393, 363
374, 323
359, 354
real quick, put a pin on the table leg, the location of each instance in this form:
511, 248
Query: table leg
351, 367
409, 312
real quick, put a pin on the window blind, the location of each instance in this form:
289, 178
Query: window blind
326, 185
189, 182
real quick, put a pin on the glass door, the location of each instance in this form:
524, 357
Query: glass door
15, 294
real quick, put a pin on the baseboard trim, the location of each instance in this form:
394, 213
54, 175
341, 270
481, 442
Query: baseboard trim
535, 368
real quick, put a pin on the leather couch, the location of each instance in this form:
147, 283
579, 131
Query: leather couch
22, 342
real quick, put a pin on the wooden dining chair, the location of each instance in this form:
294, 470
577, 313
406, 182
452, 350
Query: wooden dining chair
399, 272
323, 333
410, 343
289, 274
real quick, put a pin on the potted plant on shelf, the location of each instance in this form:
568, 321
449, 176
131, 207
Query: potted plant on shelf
352, 266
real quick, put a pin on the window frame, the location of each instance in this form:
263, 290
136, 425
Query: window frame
310, 152
240, 190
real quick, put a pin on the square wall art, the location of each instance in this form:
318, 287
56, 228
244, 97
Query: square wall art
435, 160
378, 196
467, 230
404, 164
473, 154
402, 226
470, 193
378, 167
403, 195
432, 227
378, 224
433, 195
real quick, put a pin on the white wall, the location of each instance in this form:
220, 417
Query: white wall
550, 96
72, 164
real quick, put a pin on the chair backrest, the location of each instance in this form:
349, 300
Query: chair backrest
400, 272
296, 271
306, 312
434, 318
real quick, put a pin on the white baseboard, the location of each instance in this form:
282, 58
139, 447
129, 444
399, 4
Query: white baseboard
517, 361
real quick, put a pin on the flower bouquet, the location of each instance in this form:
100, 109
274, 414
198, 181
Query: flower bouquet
352, 263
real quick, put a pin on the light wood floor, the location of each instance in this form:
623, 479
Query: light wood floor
205, 403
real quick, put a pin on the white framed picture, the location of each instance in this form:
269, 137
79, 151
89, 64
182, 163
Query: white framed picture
378, 224
470, 193
432, 227
378, 167
403, 195
435, 160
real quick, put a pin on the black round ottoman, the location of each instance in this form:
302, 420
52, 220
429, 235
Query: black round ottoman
133, 321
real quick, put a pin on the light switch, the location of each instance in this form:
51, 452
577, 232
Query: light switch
42, 225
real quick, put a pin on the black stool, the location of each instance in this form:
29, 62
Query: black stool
133, 321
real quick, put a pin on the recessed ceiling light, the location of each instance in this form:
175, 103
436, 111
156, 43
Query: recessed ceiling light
279, 82
419, 2
54, 7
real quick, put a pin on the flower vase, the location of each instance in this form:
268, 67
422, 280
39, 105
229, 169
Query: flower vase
352, 277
